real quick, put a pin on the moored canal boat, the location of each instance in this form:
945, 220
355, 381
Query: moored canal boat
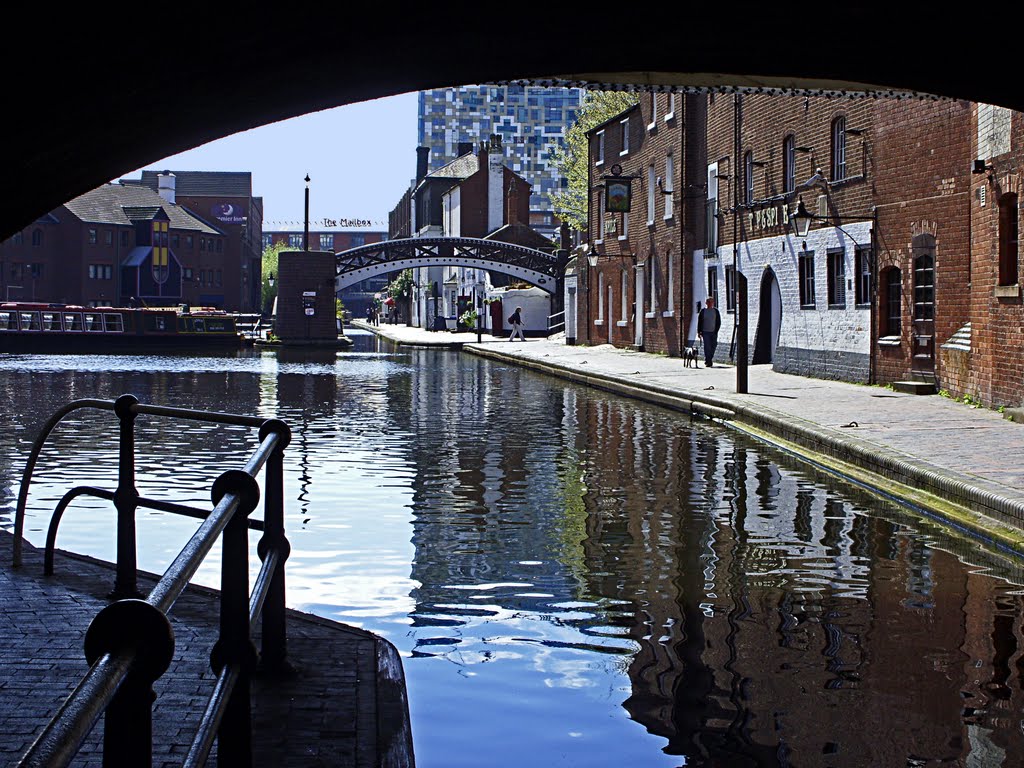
40, 327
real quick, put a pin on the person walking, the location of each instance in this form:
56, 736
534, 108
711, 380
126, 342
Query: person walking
516, 321
709, 321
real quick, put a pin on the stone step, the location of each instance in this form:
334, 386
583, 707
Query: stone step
914, 387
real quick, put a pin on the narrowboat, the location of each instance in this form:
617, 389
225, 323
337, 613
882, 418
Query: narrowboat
44, 328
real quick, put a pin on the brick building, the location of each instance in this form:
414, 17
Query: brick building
640, 292
863, 296
225, 200
112, 244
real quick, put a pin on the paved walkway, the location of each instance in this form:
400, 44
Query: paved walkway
341, 707
944, 456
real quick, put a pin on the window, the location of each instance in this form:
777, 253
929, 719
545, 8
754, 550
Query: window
124, 239
748, 178
268, 240
186, 274
671, 107
600, 148
218, 280
713, 283
730, 289
652, 267
189, 243
1008, 218
600, 215
93, 236
892, 300
625, 226
836, 278
711, 213
600, 297
19, 238
624, 127
202, 243
625, 295
357, 241
839, 148
807, 280
789, 164
37, 238
202, 277
670, 304
36, 270
651, 186
73, 321
654, 112
670, 172
108, 237
327, 242
862, 270
101, 272
295, 240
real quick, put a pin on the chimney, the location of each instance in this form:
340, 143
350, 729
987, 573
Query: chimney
422, 162
495, 188
165, 186
512, 204
465, 147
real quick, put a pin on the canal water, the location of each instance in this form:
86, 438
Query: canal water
572, 578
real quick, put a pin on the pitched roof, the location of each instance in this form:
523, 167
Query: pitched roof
459, 168
205, 183
122, 204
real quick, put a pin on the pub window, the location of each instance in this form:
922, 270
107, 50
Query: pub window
807, 280
862, 268
37, 238
670, 172
600, 149
202, 243
748, 178
326, 242
600, 297
651, 185
1008, 239
93, 236
789, 164
713, 283
108, 237
295, 241
625, 295
654, 111
836, 278
711, 213
189, 243
892, 302
730, 289
839, 148
624, 127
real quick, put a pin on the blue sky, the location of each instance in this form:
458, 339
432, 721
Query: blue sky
360, 159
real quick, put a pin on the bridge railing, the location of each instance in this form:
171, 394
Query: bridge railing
556, 323
129, 644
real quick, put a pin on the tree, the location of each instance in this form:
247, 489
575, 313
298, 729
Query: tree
270, 267
573, 159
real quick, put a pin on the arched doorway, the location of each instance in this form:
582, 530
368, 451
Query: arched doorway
769, 318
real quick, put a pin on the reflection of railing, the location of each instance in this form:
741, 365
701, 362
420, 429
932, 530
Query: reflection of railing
129, 644
556, 323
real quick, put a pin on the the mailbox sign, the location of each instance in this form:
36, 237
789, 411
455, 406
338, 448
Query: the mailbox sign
309, 303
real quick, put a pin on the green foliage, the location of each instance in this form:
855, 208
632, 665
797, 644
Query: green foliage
270, 267
573, 161
401, 286
339, 309
468, 318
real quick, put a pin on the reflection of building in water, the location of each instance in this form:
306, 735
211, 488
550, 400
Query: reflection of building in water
776, 623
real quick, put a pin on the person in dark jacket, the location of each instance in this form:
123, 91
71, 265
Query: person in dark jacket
516, 321
709, 321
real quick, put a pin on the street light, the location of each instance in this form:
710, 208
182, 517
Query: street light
271, 280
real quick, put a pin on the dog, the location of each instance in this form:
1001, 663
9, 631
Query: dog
690, 357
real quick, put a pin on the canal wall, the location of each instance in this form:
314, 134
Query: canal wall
932, 481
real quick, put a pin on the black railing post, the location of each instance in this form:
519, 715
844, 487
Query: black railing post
274, 651
137, 627
235, 647
125, 497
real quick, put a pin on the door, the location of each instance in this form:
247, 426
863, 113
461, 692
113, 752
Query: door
923, 333
638, 308
769, 319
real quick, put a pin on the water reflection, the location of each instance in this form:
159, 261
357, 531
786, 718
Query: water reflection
603, 581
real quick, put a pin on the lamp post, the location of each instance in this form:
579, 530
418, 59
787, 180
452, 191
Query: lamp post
305, 228
592, 257
479, 311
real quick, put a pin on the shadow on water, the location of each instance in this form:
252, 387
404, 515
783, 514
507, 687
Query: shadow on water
610, 582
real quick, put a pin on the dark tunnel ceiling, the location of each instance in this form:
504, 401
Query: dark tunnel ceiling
95, 94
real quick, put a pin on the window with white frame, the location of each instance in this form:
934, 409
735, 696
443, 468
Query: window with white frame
600, 215
748, 178
711, 212
839, 148
670, 173
600, 297
625, 226
671, 107
862, 270
836, 277
669, 302
625, 295
652, 267
713, 284
600, 148
730, 289
651, 187
789, 164
806, 275
326, 242
624, 127
654, 112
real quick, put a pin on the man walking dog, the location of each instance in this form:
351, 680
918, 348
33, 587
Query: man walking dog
708, 323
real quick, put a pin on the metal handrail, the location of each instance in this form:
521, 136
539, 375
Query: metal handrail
556, 322
130, 644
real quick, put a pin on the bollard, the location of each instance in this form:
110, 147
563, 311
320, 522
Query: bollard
125, 500
274, 652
